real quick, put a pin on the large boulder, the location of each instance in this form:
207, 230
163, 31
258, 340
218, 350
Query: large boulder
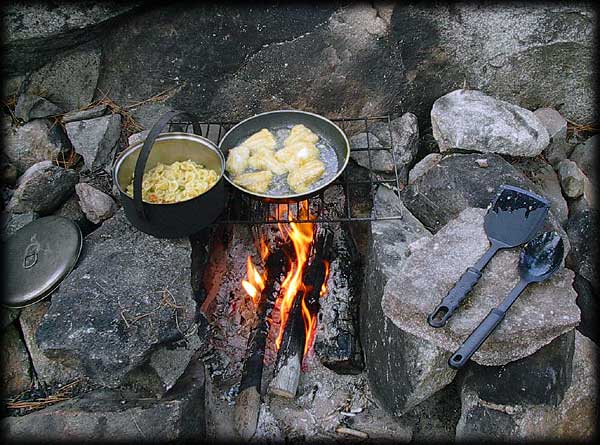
43, 188
531, 55
106, 416
403, 369
35, 141
459, 181
436, 265
583, 233
574, 419
35, 33
133, 294
68, 81
471, 120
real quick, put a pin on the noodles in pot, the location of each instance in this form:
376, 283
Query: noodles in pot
179, 181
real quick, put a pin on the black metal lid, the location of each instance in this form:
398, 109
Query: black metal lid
38, 257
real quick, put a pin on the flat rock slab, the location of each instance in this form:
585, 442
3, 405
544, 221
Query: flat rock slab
471, 120
543, 312
130, 294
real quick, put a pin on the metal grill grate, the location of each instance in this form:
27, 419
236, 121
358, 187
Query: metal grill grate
358, 184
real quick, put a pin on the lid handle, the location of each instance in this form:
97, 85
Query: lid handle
140, 164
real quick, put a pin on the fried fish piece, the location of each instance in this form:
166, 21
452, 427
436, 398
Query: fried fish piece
300, 133
260, 141
302, 178
237, 160
296, 155
266, 160
257, 182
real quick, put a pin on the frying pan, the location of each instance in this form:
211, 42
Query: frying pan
270, 120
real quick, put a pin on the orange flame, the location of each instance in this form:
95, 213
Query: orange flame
301, 235
324, 285
255, 282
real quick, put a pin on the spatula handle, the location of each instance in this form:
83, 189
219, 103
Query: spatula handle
476, 339
450, 303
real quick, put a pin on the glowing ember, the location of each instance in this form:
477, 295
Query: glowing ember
324, 285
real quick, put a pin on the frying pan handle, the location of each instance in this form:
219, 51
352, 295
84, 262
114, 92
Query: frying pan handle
476, 339
140, 164
450, 303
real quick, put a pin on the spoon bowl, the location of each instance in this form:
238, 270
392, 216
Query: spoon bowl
541, 257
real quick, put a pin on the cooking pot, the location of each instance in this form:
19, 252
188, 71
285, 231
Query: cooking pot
178, 219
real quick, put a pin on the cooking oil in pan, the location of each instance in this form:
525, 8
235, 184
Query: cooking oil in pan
280, 187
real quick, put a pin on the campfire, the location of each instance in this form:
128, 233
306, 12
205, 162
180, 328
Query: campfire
286, 295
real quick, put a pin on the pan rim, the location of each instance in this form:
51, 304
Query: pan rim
297, 196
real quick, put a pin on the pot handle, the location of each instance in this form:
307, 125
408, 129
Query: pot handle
140, 165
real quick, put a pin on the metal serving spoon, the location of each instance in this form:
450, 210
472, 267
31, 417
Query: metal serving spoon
540, 258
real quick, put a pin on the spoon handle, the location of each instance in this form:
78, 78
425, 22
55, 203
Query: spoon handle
476, 339
442, 313
485, 328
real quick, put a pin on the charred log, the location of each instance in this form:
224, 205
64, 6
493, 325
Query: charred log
247, 405
286, 375
337, 342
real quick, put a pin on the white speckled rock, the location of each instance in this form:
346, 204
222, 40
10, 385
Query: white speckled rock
470, 120
543, 312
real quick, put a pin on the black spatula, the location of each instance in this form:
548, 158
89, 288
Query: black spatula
514, 218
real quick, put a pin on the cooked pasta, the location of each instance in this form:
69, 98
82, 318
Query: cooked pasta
179, 181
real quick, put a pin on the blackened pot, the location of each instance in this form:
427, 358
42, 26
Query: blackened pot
178, 219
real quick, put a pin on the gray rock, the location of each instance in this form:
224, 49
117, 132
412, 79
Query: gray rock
37, 33
48, 371
82, 115
554, 123
42, 188
36, 141
583, 156
72, 210
574, 419
583, 233
138, 137
127, 284
571, 178
96, 205
34, 107
95, 140
7, 316
69, 81
556, 151
471, 120
457, 182
16, 372
590, 308
107, 416
170, 362
403, 369
542, 378
423, 166
436, 265
8, 174
546, 179
12, 222
403, 142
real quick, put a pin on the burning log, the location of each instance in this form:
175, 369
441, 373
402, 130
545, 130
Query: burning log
289, 359
286, 375
247, 406
337, 343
